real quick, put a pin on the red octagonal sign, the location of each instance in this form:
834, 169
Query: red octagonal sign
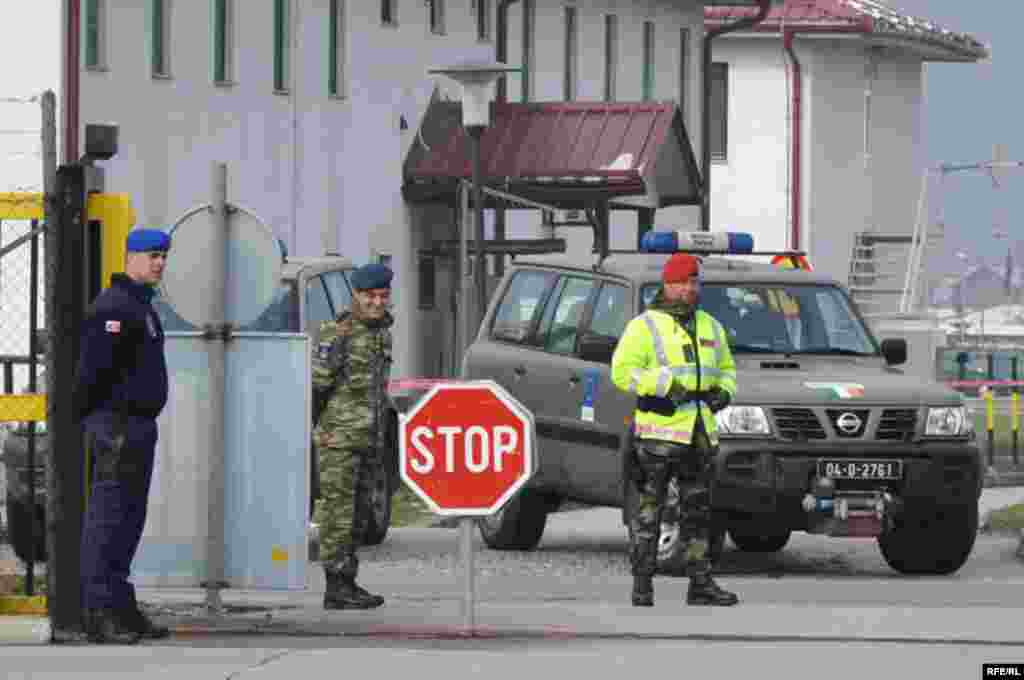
466, 448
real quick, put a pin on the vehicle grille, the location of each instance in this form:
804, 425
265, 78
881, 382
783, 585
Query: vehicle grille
897, 424
835, 413
798, 424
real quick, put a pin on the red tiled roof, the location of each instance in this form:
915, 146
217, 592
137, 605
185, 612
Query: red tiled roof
862, 16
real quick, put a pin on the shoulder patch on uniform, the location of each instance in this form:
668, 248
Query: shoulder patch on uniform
113, 326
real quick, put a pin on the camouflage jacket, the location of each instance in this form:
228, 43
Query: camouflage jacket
353, 357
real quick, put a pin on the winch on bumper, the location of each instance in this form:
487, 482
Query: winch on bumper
804, 486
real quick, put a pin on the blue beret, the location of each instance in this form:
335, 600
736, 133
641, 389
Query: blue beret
371, 276
146, 240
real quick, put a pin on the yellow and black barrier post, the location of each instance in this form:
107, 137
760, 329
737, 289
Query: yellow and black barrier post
1015, 408
990, 426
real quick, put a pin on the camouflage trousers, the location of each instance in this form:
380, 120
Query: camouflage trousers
346, 488
655, 464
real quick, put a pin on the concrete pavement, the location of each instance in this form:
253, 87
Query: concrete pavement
300, 614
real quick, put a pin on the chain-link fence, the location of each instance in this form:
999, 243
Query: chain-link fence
22, 316
21, 297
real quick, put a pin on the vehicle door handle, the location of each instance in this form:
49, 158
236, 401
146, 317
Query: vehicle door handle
574, 379
520, 371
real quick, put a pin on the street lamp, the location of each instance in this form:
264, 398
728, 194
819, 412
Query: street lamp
478, 80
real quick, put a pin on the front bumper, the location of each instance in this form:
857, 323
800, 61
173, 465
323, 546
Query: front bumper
758, 476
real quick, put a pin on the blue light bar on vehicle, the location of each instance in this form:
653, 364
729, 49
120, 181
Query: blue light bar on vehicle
735, 243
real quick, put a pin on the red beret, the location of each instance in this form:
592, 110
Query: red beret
680, 267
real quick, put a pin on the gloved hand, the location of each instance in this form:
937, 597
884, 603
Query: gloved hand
680, 395
717, 399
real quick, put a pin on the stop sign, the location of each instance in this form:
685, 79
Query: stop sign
466, 448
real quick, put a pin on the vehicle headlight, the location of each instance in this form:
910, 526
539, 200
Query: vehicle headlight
749, 420
950, 421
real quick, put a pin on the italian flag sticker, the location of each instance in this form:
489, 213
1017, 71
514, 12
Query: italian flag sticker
839, 390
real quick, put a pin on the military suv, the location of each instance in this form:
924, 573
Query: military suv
826, 434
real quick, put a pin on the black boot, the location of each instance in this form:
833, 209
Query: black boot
704, 591
643, 591
342, 591
103, 626
133, 618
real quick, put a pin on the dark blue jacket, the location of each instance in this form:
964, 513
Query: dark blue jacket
122, 367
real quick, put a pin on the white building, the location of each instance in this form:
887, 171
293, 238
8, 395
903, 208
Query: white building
847, 157
315, 105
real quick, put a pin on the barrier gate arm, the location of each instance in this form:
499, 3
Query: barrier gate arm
115, 213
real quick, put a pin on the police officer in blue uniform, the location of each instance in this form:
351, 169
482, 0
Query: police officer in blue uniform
120, 390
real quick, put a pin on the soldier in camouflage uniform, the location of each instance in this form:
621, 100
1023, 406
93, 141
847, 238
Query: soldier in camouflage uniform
351, 366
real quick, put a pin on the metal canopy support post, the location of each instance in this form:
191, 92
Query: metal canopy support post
215, 345
480, 266
465, 274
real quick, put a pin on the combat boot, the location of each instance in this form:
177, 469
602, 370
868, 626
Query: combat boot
102, 626
132, 618
704, 591
342, 590
643, 591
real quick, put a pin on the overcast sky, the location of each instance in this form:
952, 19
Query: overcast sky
969, 108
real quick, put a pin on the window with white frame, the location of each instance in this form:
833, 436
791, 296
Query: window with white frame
570, 65
159, 37
336, 80
94, 34
647, 82
529, 17
483, 19
388, 13
611, 54
435, 11
684, 72
719, 106
223, 40
282, 45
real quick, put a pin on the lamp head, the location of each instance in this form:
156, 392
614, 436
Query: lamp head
477, 80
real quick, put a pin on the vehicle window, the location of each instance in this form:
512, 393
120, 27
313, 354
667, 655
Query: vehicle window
318, 309
610, 310
558, 330
789, 319
514, 317
337, 286
281, 315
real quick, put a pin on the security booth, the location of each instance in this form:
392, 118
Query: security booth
573, 164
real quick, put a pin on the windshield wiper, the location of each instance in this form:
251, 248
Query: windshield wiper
751, 349
835, 351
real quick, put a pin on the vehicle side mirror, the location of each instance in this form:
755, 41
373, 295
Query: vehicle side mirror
895, 351
597, 348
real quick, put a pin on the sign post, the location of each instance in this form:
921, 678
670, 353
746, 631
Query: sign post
466, 449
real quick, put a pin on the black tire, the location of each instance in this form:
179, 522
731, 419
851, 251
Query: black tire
758, 537
18, 527
937, 544
520, 524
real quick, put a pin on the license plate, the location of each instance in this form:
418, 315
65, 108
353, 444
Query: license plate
860, 469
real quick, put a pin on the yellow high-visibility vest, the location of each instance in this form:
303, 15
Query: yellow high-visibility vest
655, 352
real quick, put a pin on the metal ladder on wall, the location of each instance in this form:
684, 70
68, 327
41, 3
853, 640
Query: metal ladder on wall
878, 266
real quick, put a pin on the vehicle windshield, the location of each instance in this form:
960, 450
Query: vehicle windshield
786, 319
